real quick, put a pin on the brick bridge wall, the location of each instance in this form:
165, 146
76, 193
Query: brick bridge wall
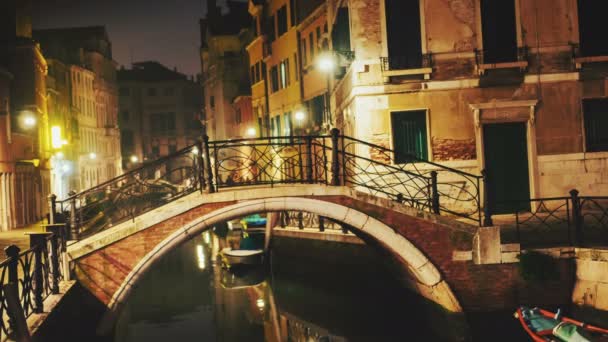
103, 266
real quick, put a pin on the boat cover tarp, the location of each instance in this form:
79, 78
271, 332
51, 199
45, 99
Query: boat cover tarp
571, 333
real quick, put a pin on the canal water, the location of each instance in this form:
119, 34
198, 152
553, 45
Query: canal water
314, 291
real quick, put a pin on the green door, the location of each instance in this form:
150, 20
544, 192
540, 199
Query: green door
506, 159
409, 135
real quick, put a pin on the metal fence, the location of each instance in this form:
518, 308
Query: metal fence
574, 221
27, 278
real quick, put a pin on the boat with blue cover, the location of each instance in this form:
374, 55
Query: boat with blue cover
543, 325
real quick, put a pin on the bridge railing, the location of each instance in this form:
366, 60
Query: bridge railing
418, 183
269, 161
27, 278
133, 193
326, 159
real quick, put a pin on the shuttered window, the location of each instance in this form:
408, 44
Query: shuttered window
409, 135
596, 124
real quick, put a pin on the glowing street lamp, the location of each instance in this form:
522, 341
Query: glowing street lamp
251, 132
134, 159
326, 62
194, 151
92, 155
300, 116
28, 119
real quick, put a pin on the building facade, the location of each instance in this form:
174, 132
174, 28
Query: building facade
225, 72
91, 153
160, 112
25, 139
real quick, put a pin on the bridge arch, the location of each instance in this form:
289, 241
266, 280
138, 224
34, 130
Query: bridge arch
429, 280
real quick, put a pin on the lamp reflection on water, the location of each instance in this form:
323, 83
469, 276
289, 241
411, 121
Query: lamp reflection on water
200, 254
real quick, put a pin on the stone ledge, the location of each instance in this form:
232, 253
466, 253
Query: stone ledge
35, 321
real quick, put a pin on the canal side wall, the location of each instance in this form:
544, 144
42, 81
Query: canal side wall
591, 286
434, 247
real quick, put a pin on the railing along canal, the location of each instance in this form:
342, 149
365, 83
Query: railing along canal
573, 220
27, 278
334, 160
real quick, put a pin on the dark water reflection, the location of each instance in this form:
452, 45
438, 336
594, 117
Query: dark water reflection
314, 292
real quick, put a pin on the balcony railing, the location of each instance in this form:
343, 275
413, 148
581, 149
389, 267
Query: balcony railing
393, 63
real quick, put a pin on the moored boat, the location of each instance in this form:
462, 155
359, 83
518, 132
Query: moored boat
543, 325
241, 257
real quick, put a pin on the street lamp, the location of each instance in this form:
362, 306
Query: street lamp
92, 155
300, 116
134, 159
28, 119
251, 132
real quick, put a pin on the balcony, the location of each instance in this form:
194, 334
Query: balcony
407, 65
507, 59
579, 58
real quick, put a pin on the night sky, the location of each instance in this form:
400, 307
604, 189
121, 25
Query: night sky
162, 30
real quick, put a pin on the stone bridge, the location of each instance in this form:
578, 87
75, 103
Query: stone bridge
438, 256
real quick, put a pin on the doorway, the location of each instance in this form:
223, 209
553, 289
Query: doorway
506, 162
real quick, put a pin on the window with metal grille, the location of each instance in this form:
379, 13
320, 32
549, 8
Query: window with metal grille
595, 113
409, 135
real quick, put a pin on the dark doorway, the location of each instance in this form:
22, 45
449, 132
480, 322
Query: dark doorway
506, 162
498, 31
403, 34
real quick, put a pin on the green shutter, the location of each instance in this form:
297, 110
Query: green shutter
409, 135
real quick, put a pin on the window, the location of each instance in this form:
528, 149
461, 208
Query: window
162, 122
212, 101
126, 141
595, 112
311, 42
151, 91
296, 64
292, 12
169, 91
252, 74
341, 31
282, 21
274, 78
591, 19
409, 135
258, 74
318, 33
172, 148
125, 115
288, 127
284, 73
270, 29
403, 34
276, 126
498, 31
260, 127
304, 52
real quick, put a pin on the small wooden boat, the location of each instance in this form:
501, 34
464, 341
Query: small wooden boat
241, 257
543, 325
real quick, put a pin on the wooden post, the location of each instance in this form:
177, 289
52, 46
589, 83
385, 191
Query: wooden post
200, 168
335, 161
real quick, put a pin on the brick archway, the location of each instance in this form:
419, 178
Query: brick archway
424, 272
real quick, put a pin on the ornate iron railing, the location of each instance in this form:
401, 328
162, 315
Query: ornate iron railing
302, 219
418, 183
406, 62
27, 278
327, 159
554, 221
521, 54
133, 193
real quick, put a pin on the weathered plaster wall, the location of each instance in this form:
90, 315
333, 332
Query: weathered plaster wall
450, 25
